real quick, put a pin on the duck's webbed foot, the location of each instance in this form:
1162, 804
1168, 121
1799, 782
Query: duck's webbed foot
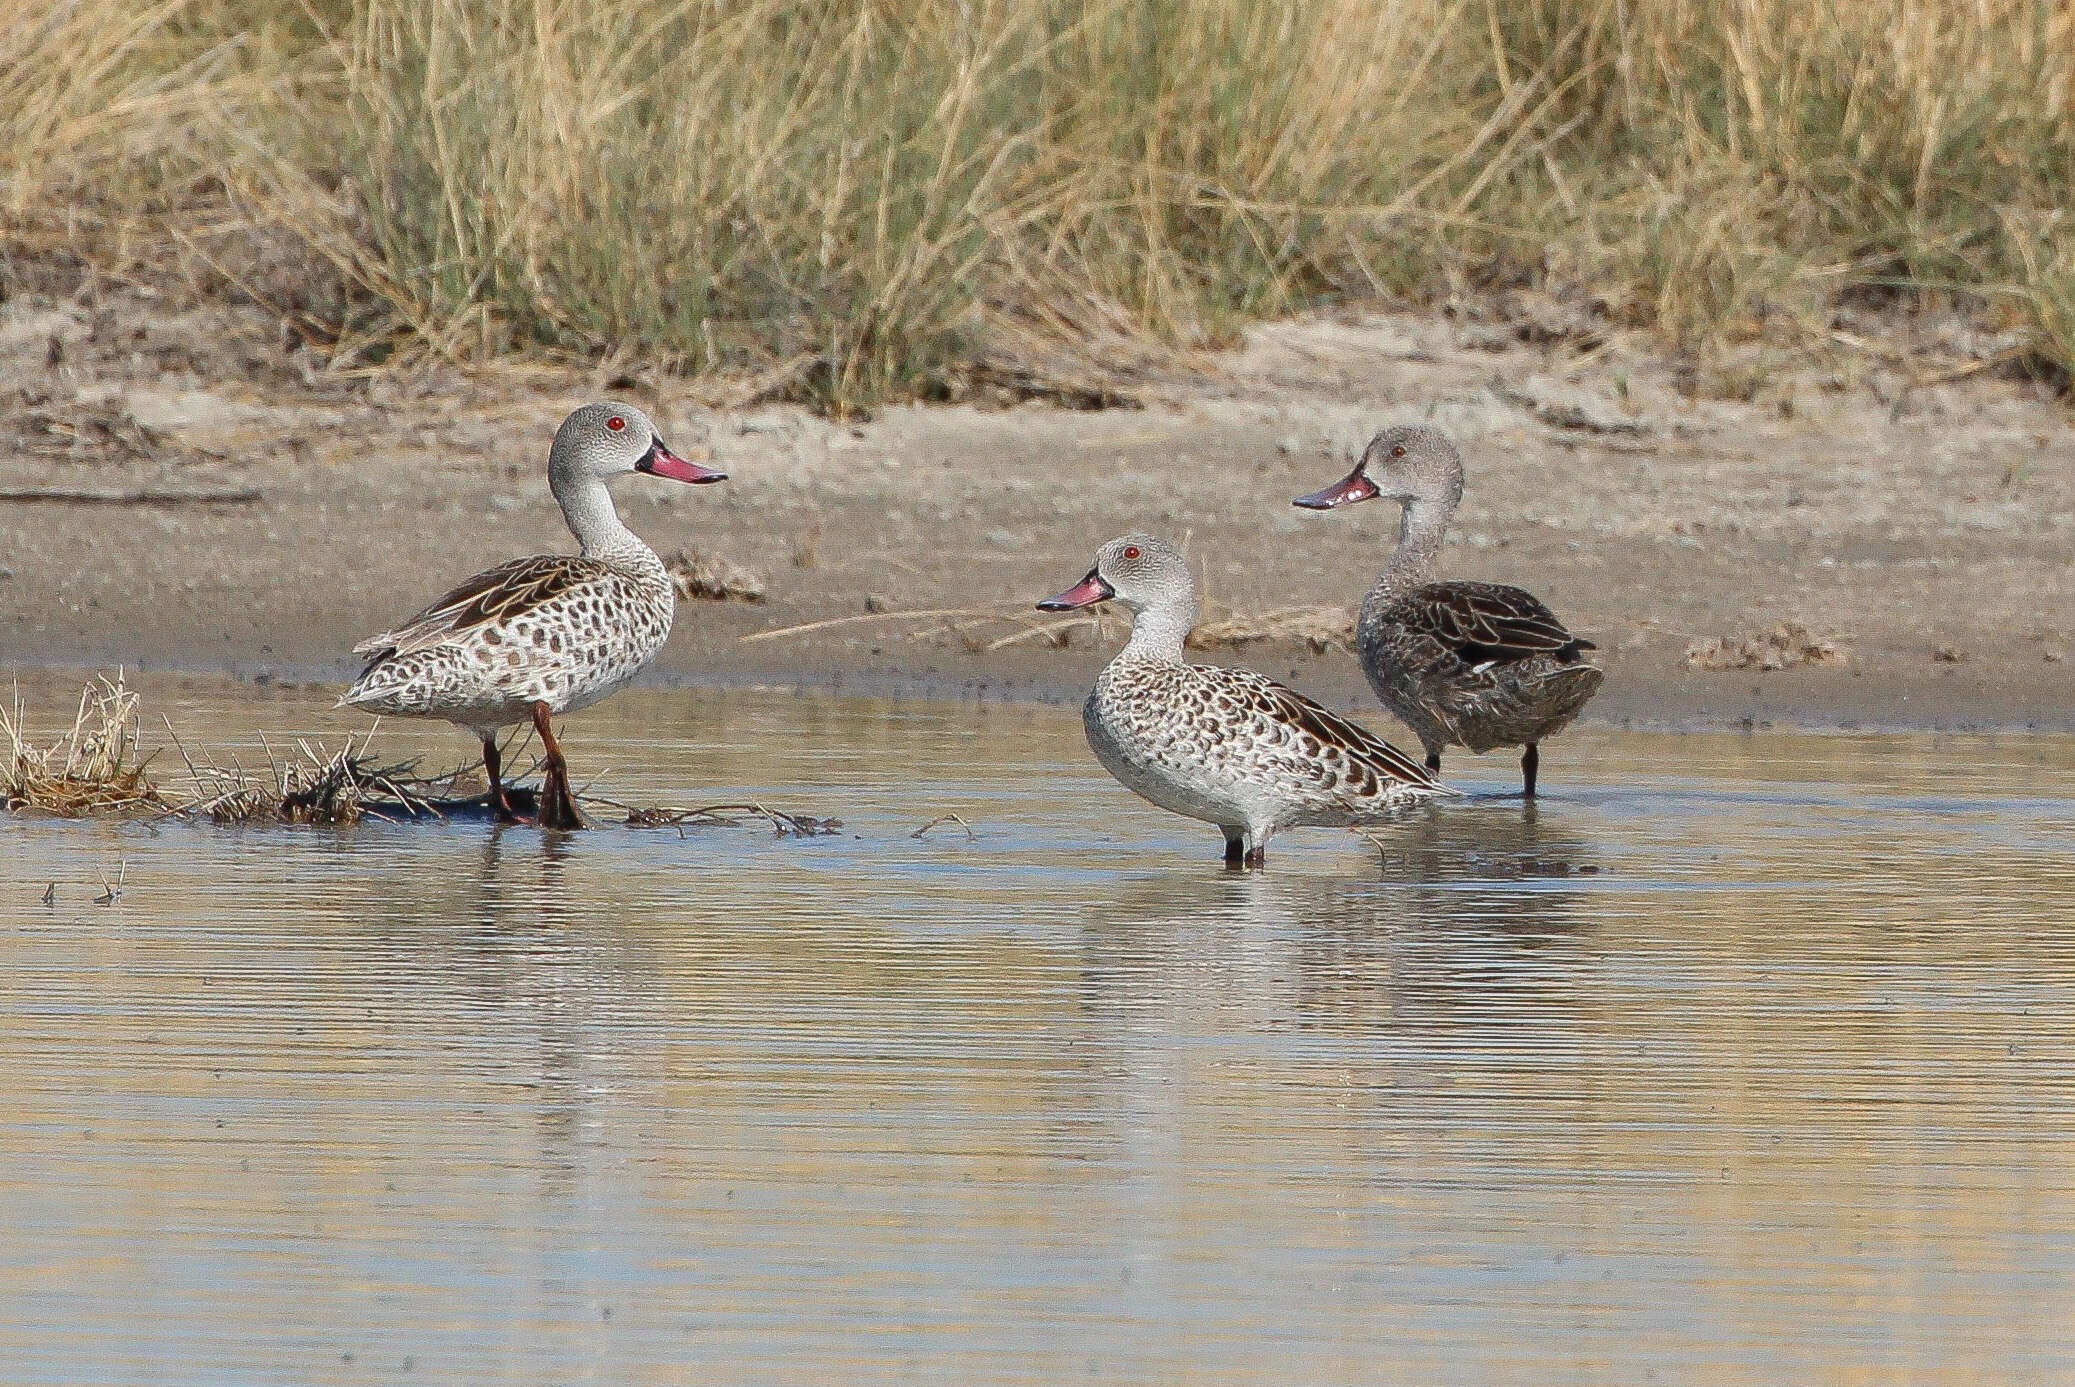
557, 805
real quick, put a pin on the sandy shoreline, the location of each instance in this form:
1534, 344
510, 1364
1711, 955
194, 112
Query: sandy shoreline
1925, 529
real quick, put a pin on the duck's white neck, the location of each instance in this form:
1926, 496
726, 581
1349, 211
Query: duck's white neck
1160, 629
588, 509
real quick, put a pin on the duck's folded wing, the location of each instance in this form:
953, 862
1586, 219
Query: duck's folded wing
1490, 623
1292, 709
494, 595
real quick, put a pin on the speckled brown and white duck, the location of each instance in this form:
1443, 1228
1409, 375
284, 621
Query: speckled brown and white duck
1227, 746
1476, 665
544, 635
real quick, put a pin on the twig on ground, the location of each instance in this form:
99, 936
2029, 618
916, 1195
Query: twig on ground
715, 816
1053, 633
1320, 628
804, 627
138, 496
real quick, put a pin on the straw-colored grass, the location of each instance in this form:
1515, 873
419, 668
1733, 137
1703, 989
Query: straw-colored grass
92, 768
854, 199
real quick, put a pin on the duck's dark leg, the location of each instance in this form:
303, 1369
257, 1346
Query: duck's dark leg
1235, 848
493, 764
1529, 761
1257, 857
557, 805
1433, 763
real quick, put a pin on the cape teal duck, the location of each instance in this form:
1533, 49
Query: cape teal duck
1226, 746
544, 635
1475, 665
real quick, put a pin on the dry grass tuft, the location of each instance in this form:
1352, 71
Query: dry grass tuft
91, 769
1785, 646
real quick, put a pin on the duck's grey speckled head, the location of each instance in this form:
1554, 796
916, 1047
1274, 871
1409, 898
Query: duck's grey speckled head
605, 439
1406, 463
1138, 571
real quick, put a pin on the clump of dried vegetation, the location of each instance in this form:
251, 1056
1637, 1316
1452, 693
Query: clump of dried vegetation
1319, 629
1783, 647
93, 768
313, 785
842, 202
702, 577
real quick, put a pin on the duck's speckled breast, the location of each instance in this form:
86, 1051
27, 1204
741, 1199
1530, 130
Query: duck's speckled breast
1155, 757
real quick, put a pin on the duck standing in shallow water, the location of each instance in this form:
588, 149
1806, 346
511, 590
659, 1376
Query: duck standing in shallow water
1476, 665
545, 635
1223, 745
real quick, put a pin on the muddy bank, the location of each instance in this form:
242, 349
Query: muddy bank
213, 508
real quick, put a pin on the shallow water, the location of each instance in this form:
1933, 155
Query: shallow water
1740, 1058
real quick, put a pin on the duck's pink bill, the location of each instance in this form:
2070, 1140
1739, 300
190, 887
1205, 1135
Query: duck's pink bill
1355, 486
664, 463
1085, 593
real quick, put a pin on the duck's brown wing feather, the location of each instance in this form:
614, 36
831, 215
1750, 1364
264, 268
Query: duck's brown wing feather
496, 594
1286, 705
1489, 623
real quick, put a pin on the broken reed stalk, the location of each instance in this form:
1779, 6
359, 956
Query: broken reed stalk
1319, 628
955, 620
925, 614
940, 819
716, 816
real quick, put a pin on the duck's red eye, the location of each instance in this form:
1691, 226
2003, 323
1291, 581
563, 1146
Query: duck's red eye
616, 424
1398, 451
1132, 552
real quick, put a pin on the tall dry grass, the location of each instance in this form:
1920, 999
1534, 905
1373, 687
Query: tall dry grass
864, 198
